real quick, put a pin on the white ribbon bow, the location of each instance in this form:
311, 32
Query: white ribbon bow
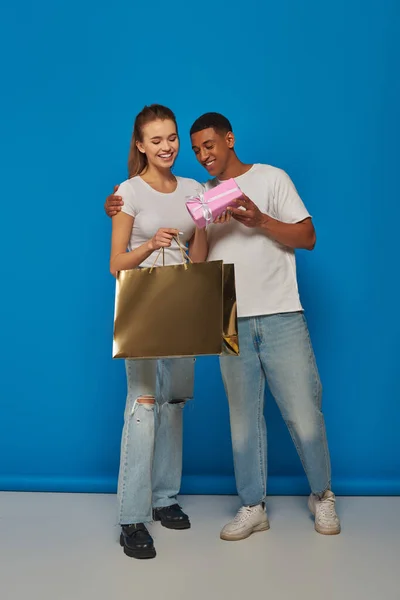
207, 212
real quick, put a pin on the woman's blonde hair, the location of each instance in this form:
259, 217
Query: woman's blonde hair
137, 161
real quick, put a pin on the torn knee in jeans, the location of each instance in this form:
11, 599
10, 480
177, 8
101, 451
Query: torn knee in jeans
146, 400
180, 401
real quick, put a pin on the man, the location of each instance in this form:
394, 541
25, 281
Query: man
275, 348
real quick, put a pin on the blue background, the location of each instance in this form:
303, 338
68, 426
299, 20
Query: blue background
311, 87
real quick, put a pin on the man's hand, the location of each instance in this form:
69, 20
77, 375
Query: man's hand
251, 216
113, 203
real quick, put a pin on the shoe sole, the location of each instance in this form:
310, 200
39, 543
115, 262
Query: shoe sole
139, 554
243, 536
321, 530
179, 527
327, 531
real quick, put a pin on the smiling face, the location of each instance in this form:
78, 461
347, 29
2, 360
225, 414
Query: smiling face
213, 149
160, 143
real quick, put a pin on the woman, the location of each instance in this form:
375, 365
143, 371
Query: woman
153, 213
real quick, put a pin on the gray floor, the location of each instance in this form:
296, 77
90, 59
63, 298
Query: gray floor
64, 547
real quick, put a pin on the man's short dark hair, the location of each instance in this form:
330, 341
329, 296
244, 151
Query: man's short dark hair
211, 120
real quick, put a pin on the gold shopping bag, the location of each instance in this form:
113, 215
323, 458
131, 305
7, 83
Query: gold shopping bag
176, 311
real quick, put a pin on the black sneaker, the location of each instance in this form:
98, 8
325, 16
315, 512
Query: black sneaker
171, 517
137, 541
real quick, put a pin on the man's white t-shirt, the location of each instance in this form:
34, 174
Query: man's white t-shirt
153, 210
266, 281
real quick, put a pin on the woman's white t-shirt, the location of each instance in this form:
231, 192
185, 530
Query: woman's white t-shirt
153, 210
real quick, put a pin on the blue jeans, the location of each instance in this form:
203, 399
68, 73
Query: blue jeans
275, 350
151, 449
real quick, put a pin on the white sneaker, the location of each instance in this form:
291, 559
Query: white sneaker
326, 520
248, 520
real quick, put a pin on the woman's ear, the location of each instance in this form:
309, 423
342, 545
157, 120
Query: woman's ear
140, 147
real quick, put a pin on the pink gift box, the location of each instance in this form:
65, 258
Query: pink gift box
207, 207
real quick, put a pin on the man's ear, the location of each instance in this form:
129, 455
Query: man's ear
230, 139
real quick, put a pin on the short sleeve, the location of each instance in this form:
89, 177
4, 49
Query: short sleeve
193, 187
127, 194
289, 207
201, 186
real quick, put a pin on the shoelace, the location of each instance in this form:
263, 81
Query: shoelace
243, 514
327, 510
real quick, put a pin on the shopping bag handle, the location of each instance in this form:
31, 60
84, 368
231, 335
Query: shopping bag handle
185, 256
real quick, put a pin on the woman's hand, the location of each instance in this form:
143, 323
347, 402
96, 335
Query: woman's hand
162, 239
224, 218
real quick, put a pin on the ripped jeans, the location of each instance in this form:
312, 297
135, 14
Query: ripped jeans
151, 448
